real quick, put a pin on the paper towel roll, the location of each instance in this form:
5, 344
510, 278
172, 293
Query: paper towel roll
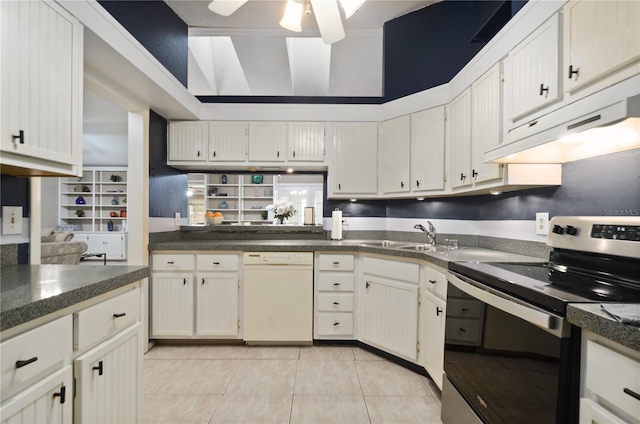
336, 225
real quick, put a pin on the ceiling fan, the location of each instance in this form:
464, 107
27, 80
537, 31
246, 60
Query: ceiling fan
326, 11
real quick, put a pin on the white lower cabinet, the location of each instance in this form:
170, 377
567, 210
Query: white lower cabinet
432, 337
48, 401
334, 297
390, 303
195, 296
108, 380
113, 245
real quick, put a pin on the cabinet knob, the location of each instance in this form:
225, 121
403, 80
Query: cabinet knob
99, 368
214, 154
119, 315
203, 281
19, 137
401, 184
62, 394
199, 153
184, 281
366, 286
543, 89
438, 311
573, 72
20, 364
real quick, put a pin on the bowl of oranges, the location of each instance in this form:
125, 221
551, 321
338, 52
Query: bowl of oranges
214, 218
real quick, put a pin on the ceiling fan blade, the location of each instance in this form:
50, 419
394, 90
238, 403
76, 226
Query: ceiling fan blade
225, 7
329, 20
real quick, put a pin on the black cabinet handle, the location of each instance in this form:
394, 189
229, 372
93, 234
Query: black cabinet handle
20, 364
294, 153
119, 315
432, 281
401, 184
573, 72
532, 123
336, 263
632, 393
216, 263
543, 89
336, 284
62, 394
214, 154
184, 281
170, 262
339, 186
417, 183
336, 323
462, 177
199, 153
438, 311
336, 303
366, 286
20, 137
278, 154
464, 309
463, 330
473, 173
99, 368
203, 281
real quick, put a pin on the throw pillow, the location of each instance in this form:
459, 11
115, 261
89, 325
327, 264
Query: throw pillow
62, 236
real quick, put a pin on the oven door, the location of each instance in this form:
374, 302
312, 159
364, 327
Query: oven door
508, 361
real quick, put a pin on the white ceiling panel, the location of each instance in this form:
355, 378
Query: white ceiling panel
105, 129
265, 62
356, 65
229, 75
310, 65
201, 75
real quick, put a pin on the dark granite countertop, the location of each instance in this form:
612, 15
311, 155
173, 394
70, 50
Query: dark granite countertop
440, 258
590, 316
33, 291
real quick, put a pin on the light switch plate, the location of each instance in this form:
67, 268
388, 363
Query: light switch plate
542, 223
177, 219
11, 220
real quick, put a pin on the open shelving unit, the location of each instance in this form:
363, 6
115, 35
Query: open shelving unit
239, 199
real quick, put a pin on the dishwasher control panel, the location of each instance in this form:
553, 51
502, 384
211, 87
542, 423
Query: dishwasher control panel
278, 258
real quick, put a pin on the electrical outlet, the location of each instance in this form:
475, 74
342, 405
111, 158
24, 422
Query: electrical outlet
177, 219
542, 223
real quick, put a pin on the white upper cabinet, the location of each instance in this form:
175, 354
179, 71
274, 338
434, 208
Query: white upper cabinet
533, 78
486, 123
395, 155
267, 141
599, 37
354, 168
227, 141
427, 150
460, 122
41, 79
188, 141
306, 142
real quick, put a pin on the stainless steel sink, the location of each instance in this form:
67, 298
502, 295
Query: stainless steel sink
385, 243
428, 248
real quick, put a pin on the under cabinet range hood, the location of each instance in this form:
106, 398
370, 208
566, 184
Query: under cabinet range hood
605, 122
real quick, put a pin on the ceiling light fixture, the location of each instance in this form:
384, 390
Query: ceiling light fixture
420, 198
327, 13
353, 200
189, 192
495, 192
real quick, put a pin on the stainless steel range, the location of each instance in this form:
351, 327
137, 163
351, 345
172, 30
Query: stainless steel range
514, 358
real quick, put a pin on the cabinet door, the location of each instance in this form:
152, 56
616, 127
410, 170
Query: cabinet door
50, 400
306, 142
395, 155
592, 413
172, 305
41, 81
355, 159
391, 316
434, 310
109, 380
217, 304
113, 245
534, 76
486, 123
267, 141
427, 150
460, 122
599, 38
227, 141
188, 141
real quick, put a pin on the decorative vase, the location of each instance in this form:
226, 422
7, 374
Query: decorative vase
224, 205
80, 201
281, 220
110, 225
114, 201
223, 179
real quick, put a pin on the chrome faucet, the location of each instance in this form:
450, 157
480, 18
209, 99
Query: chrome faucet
431, 232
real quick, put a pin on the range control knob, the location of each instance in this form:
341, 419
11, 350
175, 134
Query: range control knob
571, 230
557, 229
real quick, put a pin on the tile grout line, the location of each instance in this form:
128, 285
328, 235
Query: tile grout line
355, 365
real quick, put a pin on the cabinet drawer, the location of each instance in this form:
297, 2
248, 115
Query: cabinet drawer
217, 262
335, 281
335, 324
173, 262
610, 381
106, 318
464, 308
335, 262
462, 331
335, 302
436, 282
41, 347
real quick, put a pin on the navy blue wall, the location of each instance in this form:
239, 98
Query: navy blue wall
428, 47
167, 185
600, 186
156, 26
14, 191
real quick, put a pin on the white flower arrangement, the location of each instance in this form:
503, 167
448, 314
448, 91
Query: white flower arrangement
282, 210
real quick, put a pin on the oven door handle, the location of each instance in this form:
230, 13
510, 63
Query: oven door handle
545, 320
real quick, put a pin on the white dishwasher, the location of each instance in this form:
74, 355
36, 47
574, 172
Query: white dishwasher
278, 297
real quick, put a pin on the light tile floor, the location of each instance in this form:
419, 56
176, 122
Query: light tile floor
315, 384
